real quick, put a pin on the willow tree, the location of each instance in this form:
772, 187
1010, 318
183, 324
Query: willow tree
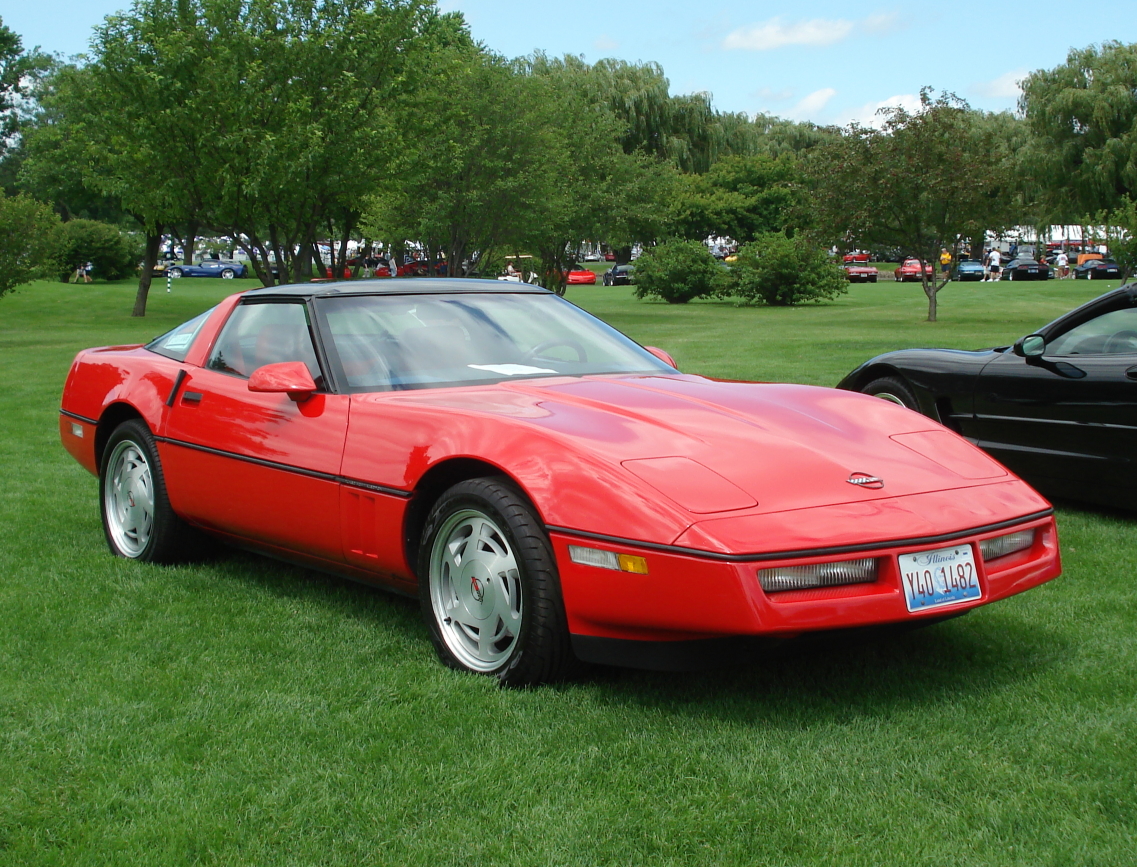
924, 181
1083, 118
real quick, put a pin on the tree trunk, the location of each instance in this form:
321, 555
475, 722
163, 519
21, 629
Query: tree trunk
930, 291
153, 243
190, 241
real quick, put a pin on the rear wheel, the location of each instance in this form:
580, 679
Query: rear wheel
894, 390
138, 521
488, 586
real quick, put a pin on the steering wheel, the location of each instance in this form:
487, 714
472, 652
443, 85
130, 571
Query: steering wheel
535, 353
1121, 342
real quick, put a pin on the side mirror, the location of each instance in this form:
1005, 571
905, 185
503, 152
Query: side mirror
1031, 346
286, 376
662, 356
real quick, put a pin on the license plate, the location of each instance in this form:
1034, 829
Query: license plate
945, 576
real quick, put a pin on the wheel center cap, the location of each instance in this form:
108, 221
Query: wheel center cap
477, 590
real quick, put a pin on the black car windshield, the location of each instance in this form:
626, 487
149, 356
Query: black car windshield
391, 342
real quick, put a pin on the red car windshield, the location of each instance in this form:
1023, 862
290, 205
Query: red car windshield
391, 342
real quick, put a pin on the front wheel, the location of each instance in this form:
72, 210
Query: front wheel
175, 273
138, 521
227, 274
894, 390
488, 586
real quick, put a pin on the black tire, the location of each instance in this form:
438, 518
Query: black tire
893, 389
872, 279
138, 522
507, 584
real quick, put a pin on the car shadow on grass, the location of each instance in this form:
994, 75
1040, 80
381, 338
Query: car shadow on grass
795, 683
838, 678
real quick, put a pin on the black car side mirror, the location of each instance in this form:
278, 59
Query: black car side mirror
1031, 346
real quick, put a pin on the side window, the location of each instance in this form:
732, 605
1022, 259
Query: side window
176, 344
260, 334
1112, 333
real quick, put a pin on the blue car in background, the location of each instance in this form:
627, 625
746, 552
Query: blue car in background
210, 268
969, 269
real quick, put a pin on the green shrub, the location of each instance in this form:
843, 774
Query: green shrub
29, 232
677, 271
112, 253
780, 270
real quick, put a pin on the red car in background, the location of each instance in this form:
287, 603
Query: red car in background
861, 273
910, 270
580, 276
549, 489
856, 256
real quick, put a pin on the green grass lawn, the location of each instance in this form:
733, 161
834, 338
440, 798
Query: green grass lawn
246, 712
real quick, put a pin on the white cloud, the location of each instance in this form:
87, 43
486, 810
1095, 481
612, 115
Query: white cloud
866, 115
810, 106
1006, 86
773, 95
776, 33
605, 43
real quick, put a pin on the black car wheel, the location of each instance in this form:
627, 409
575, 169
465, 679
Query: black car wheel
137, 518
894, 390
488, 586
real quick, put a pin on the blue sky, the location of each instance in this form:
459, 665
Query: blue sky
816, 60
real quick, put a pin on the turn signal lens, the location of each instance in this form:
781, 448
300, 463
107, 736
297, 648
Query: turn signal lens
607, 560
817, 575
1000, 546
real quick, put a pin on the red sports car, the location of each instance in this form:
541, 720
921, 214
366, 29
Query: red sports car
551, 490
861, 273
910, 270
856, 256
578, 276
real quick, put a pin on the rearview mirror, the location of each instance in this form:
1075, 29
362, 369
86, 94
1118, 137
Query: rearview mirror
286, 376
1031, 346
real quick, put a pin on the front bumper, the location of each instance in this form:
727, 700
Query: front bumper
692, 602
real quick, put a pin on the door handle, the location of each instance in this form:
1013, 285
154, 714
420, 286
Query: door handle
1132, 372
191, 397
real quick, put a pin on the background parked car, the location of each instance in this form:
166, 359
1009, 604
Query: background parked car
856, 256
222, 268
577, 275
968, 270
910, 270
1026, 269
861, 273
620, 275
1098, 269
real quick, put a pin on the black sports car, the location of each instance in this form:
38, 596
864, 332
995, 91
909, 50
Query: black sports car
1098, 269
620, 275
1026, 269
1059, 407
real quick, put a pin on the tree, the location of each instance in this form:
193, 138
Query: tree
740, 197
1083, 116
923, 182
28, 241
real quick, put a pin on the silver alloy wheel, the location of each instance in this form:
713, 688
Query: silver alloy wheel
891, 398
175, 273
475, 590
128, 498
227, 274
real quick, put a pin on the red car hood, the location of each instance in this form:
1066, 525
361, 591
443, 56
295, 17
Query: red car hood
713, 447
